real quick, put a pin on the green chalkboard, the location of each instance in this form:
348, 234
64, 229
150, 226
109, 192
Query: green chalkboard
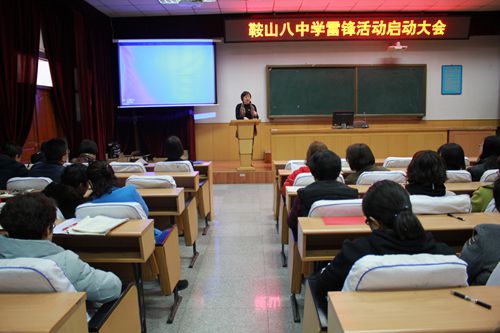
394, 90
371, 90
298, 91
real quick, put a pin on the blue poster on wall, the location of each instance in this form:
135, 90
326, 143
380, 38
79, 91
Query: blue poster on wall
451, 80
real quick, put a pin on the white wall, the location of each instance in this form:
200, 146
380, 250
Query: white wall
242, 67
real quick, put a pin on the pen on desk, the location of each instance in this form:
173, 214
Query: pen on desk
69, 226
455, 217
471, 299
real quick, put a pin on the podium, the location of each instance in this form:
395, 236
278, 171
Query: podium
245, 132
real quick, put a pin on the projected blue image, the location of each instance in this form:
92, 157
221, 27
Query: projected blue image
166, 73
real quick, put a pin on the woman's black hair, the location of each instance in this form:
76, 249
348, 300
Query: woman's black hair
243, 94
11, 149
28, 216
74, 175
359, 156
491, 147
174, 148
426, 167
102, 178
325, 165
389, 204
88, 146
453, 156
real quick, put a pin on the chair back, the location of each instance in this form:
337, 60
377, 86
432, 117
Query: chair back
491, 207
32, 275
122, 167
303, 179
177, 166
396, 162
458, 176
371, 177
344, 164
467, 161
164, 181
117, 210
340, 179
424, 204
294, 164
348, 207
28, 183
494, 279
404, 271
489, 175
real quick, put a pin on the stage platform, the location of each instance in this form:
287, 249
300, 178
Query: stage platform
225, 173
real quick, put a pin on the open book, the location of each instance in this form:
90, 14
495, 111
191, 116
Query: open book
97, 225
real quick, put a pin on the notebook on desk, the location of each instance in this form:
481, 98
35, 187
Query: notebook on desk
98, 225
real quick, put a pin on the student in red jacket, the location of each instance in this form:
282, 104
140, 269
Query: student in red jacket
314, 147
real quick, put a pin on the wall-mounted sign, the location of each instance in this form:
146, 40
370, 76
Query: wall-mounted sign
451, 80
346, 28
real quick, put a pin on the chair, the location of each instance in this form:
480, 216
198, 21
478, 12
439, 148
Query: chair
118, 210
340, 179
348, 207
164, 263
28, 183
491, 207
424, 204
164, 181
467, 161
122, 167
371, 177
396, 162
344, 164
494, 279
177, 166
294, 164
404, 271
458, 176
303, 179
36, 275
489, 175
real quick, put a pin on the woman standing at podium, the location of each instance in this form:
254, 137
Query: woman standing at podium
246, 110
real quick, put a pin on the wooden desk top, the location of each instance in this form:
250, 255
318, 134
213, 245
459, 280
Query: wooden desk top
46, 312
163, 201
433, 310
130, 242
160, 192
189, 180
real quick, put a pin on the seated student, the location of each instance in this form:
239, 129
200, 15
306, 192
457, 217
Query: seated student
29, 220
481, 198
360, 159
426, 174
88, 152
488, 159
482, 250
325, 166
174, 149
453, 156
56, 154
10, 166
314, 147
70, 193
395, 230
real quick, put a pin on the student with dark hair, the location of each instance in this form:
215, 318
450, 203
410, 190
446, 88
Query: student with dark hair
395, 230
488, 159
314, 147
246, 109
10, 166
325, 166
29, 220
174, 149
56, 154
453, 156
360, 159
88, 152
482, 250
426, 174
71, 191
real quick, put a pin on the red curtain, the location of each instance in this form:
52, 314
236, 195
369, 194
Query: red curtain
57, 35
19, 44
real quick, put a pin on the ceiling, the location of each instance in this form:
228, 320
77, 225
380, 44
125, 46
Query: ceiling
127, 8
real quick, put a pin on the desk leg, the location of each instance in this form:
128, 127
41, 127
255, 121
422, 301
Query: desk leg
206, 226
283, 255
195, 256
177, 302
140, 292
295, 308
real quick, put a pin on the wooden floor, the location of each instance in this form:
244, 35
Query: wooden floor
225, 173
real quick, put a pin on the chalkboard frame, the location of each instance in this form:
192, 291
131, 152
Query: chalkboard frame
412, 115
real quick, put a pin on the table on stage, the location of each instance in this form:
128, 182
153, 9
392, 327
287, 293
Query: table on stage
43, 313
411, 311
130, 243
